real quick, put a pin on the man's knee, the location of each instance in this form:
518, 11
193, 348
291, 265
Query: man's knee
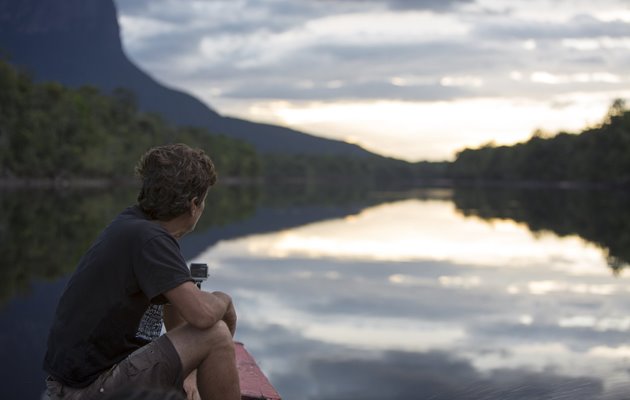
219, 332
219, 336
194, 344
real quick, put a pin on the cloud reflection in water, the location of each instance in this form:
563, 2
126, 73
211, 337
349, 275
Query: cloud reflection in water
423, 230
412, 300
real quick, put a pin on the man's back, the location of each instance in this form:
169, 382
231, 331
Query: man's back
131, 263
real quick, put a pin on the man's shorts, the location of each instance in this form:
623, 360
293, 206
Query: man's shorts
155, 365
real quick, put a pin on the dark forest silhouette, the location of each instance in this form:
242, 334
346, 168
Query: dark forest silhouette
598, 155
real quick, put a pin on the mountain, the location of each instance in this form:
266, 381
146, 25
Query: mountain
77, 42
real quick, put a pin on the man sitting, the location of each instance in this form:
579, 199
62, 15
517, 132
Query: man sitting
101, 339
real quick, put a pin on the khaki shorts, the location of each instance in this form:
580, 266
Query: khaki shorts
155, 365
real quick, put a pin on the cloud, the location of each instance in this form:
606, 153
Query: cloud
279, 90
239, 55
579, 26
305, 369
253, 50
440, 375
231, 17
427, 5
337, 291
578, 339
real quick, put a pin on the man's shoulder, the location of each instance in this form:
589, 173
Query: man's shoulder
132, 213
133, 217
133, 223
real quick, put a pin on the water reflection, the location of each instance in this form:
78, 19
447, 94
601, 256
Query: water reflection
601, 217
420, 230
412, 299
44, 232
346, 294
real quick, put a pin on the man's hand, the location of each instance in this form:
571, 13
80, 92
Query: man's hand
230, 318
190, 386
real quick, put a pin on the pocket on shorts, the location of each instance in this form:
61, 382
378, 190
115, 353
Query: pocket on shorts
57, 391
149, 366
140, 361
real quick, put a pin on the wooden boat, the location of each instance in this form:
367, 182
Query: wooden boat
254, 383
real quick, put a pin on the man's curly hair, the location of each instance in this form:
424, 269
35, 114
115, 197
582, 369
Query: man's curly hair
172, 175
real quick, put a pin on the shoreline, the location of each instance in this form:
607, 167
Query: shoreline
105, 183
540, 184
72, 183
95, 183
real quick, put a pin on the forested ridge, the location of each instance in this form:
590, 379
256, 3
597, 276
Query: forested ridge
48, 131
599, 154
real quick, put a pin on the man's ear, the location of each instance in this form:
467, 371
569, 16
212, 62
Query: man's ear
194, 204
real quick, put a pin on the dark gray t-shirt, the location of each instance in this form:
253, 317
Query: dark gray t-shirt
98, 319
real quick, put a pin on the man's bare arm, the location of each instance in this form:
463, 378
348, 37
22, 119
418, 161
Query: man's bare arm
171, 317
200, 309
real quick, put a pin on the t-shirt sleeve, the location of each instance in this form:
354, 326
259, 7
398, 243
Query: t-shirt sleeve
160, 266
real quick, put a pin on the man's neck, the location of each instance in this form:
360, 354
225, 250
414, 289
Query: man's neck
178, 226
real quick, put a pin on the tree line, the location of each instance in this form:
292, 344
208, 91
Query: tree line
599, 154
372, 170
49, 131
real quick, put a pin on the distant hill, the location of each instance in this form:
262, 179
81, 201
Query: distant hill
77, 42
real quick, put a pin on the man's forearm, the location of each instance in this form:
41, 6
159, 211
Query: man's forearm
216, 306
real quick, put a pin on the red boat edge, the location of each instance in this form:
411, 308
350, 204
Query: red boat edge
254, 383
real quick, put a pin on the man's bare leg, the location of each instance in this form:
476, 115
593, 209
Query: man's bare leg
211, 353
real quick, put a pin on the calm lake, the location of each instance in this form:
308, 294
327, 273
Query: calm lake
342, 293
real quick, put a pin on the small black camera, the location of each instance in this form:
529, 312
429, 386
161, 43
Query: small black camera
199, 273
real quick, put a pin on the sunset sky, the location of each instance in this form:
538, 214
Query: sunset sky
412, 79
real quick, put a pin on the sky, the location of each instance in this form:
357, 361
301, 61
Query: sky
411, 79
